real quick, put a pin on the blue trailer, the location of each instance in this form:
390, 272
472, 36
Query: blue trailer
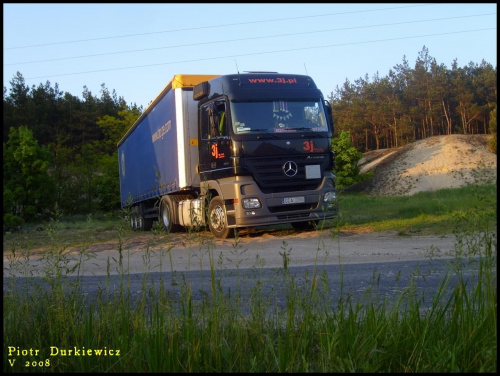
230, 151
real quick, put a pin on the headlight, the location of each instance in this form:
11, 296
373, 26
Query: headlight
330, 196
251, 203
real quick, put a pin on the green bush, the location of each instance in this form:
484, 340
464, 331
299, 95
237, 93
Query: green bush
346, 161
12, 220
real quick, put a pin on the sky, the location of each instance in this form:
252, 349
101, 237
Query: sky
136, 49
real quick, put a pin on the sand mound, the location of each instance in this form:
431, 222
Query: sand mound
433, 163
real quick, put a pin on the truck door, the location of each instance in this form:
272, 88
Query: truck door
215, 143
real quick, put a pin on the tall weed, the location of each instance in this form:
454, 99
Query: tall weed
284, 324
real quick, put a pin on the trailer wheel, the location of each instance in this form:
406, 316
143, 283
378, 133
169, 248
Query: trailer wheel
133, 220
167, 219
138, 222
147, 224
217, 220
144, 224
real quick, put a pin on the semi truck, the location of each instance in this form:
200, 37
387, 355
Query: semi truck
230, 151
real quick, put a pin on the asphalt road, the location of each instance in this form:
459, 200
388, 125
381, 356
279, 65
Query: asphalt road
365, 266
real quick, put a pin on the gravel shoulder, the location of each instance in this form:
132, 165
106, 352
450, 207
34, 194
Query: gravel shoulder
259, 249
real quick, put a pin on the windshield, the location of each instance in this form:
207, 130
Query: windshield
278, 116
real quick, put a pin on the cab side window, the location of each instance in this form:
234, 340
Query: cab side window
213, 120
205, 122
222, 121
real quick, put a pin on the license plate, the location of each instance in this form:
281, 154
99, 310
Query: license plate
294, 200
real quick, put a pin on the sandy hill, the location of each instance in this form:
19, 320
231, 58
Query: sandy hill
430, 164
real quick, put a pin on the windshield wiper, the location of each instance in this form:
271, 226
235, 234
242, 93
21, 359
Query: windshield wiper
307, 129
265, 130
266, 135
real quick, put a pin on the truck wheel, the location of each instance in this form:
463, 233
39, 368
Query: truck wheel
217, 220
166, 218
301, 226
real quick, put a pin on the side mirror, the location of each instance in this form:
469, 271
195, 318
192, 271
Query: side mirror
201, 90
329, 114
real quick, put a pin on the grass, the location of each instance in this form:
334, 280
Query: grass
75, 231
424, 213
155, 331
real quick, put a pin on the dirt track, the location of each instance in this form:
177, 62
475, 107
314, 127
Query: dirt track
259, 248
437, 162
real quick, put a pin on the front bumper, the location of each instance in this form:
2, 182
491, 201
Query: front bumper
277, 208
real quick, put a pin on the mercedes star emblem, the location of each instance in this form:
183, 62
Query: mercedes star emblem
290, 168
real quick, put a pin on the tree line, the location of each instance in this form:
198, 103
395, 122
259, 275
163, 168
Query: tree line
60, 152
410, 104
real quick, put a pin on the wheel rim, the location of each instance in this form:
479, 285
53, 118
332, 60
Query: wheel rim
165, 216
217, 218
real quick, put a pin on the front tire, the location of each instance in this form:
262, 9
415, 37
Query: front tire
305, 226
217, 219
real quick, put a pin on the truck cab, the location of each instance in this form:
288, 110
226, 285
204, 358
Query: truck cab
264, 151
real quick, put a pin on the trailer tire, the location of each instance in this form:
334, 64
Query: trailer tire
217, 219
167, 215
138, 222
147, 224
133, 220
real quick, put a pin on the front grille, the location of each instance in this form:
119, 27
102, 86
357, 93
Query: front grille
285, 208
294, 216
269, 175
